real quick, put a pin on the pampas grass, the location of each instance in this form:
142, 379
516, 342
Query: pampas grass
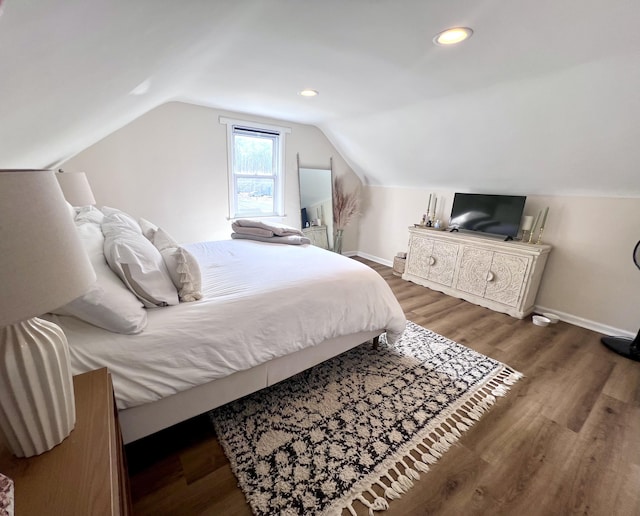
346, 205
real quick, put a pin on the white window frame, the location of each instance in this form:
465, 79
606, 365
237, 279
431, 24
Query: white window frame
278, 176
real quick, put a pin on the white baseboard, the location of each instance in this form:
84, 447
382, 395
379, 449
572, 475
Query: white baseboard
376, 259
605, 329
569, 318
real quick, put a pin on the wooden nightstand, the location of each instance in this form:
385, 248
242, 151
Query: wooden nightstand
86, 473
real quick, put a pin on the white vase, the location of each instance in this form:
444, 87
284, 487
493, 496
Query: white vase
37, 406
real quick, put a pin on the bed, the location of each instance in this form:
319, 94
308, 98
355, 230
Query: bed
267, 312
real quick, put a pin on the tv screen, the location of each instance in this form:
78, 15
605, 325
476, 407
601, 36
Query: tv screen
495, 214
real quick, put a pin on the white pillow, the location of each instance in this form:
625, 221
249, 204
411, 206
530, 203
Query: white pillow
120, 218
148, 228
139, 265
108, 303
89, 214
182, 265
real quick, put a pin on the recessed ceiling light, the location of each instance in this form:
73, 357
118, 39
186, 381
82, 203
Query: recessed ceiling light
308, 93
452, 36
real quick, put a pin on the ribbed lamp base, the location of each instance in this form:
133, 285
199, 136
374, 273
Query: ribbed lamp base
37, 406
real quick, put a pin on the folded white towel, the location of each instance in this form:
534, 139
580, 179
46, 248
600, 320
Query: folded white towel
275, 227
251, 231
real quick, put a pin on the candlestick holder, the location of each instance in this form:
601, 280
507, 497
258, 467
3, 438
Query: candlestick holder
540, 235
527, 227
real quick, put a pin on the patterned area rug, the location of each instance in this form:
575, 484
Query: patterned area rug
358, 428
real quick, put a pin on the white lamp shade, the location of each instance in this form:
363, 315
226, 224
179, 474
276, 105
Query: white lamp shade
76, 189
43, 264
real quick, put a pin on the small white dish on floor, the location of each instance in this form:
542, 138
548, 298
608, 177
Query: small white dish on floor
540, 320
553, 318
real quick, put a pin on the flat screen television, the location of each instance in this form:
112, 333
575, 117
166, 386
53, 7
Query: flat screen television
498, 215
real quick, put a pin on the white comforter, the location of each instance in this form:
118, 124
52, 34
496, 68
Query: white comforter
261, 301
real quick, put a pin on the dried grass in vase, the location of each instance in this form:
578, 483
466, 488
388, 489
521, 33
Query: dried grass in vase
346, 205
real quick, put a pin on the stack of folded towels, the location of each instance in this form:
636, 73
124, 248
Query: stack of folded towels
274, 232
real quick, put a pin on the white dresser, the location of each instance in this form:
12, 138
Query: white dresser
318, 236
502, 276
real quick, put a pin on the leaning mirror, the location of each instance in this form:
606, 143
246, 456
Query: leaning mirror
316, 205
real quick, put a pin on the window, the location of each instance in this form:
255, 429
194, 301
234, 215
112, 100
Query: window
255, 167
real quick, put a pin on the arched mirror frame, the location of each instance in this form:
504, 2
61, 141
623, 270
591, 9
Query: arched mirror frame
321, 207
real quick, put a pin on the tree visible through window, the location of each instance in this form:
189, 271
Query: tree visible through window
255, 168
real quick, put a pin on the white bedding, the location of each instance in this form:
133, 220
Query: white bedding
260, 301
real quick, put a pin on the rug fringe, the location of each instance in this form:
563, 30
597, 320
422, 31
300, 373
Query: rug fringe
431, 444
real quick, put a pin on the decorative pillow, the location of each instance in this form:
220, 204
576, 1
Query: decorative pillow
108, 304
148, 228
119, 218
139, 265
182, 265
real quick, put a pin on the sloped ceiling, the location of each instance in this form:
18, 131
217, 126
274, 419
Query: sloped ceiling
544, 98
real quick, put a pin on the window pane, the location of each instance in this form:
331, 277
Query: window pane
253, 155
255, 195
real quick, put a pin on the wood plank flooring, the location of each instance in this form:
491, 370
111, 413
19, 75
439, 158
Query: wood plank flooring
565, 441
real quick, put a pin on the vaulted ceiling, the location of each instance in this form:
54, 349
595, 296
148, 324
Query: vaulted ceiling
544, 98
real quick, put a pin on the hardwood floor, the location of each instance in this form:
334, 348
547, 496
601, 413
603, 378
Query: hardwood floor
566, 440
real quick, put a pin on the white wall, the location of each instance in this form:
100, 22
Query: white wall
589, 279
170, 167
